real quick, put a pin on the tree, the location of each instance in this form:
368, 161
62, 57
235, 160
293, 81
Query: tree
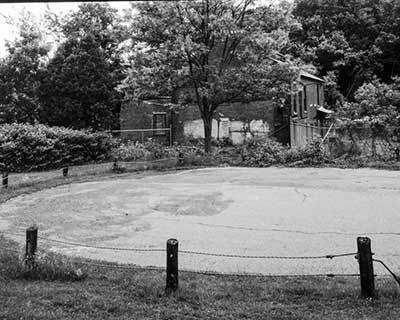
20, 73
214, 51
355, 39
78, 89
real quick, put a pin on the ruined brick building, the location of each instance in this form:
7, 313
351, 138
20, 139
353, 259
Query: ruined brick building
294, 122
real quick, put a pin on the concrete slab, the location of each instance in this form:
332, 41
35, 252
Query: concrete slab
245, 211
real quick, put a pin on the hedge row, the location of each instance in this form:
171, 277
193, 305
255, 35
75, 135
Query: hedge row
25, 147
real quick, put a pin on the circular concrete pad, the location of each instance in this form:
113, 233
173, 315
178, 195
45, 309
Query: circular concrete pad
244, 211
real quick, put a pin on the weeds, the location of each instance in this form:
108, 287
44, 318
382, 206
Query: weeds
48, 266
258, 153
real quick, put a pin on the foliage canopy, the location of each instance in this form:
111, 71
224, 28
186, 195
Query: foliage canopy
208, 53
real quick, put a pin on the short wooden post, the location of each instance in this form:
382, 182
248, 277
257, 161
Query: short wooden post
65, 171
5, 180
172, 266
366, 267
31, 246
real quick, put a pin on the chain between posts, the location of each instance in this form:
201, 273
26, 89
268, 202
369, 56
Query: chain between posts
260, 275
215, 273
201, 253
364, 252
329, 256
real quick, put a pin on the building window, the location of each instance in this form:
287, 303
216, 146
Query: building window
159, 123
318, 88
300, 97
305, 99
295, 104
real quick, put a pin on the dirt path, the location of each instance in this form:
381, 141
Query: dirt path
245, 211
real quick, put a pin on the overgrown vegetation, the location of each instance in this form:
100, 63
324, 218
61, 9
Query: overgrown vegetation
25, 147
259, 153
208, 53
350, 42
149, 150
48, 266
369, 127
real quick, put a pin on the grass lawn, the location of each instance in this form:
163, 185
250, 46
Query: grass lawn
110, 293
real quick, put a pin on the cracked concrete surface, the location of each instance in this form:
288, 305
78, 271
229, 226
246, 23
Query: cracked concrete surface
248, 211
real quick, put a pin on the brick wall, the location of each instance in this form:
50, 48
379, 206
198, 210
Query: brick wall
253, 115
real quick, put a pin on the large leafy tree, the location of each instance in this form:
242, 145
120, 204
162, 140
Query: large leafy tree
211, 51
20, 72
78, 89
352, 40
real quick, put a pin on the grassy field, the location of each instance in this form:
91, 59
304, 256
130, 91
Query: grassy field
111, 293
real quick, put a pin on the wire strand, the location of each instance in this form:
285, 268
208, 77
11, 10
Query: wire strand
329, 256
397, 279
244, 274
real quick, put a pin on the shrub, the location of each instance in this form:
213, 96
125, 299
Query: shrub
188, 155
311, 154
255, 153
150, 150
25, 147
130, 151
258, 153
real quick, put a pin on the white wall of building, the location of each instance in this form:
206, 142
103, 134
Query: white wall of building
237, 131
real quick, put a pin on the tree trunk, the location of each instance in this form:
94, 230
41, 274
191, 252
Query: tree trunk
207, 120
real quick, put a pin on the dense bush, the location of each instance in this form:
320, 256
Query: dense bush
26, 147
254, 153
187, 155
259, 153
310, 154
150, 150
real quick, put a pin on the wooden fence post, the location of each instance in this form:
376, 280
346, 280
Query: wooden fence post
65, 172
172, 266
366, 267
31, 246
5, 179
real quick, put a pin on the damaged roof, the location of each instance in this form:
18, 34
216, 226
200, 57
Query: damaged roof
310, 76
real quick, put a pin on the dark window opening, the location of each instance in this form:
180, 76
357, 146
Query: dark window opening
278, 116
318, 88
305, 99
300, 97
295, 104
159, 123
